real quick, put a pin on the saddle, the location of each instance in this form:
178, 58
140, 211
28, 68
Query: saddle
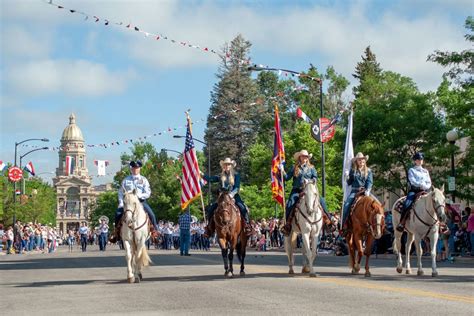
151, 229
399, 205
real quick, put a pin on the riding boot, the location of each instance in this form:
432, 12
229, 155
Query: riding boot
247, 227
286, 230
115, 237
403, 219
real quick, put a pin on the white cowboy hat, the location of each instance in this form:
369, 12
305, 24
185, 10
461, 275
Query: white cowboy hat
360, 156
303, 152
227, 161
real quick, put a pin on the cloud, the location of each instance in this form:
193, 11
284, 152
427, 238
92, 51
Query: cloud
68, 77
17, 42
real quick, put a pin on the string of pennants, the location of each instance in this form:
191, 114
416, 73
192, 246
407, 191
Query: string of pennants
158, 36
135, 28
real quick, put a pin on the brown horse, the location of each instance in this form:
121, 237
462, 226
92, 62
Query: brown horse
368, 223
230, 233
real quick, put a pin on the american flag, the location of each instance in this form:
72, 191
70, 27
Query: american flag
190, 185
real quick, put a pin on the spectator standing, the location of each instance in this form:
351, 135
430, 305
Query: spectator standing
104, 230
470, 230
84, 233
184, 222
10, 237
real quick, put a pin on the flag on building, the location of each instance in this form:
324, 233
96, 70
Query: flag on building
278, 191
3, 166
29, 167
101, 164
348, 155
69, 167
190, 186
300, 114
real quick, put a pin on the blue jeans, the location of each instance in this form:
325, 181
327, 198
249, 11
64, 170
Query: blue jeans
83, 242
184, 241
102, 241
471, 237
347, 206
10, 243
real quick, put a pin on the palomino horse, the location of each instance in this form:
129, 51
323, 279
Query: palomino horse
423, 222
368, 223
308, 222
134, 234
230, 233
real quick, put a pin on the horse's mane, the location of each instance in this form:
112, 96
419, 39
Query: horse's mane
369, 202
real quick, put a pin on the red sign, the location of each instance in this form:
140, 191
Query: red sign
15, 174
322, 130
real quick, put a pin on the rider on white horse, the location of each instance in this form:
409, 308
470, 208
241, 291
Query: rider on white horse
302, 171
419, 180
142, 186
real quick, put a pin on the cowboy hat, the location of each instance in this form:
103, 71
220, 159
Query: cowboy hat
227, 161
303, 152
360, 156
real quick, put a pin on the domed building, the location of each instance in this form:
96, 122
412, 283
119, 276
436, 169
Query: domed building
75, 193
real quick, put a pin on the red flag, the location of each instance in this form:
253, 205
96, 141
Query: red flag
190, 186
278, 192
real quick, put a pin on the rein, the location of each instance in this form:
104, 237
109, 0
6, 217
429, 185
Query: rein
436, 221
302, 194
133, 213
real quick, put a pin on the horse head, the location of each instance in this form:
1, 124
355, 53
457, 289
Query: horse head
439, 203
225, 208
311, 197
130, 205
378, 219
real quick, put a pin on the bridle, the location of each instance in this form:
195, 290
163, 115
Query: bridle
302, 197
373, 225
228, 209
134, 211
435, 220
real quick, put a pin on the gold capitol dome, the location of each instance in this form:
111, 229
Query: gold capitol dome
72, 131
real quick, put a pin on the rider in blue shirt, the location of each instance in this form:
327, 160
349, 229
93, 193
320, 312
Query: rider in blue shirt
142, 186
360, 178
302, 172
419, 180
229, 182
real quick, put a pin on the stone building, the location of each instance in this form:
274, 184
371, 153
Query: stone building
75, 193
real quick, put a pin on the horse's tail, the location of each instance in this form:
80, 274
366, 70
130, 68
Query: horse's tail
143, 259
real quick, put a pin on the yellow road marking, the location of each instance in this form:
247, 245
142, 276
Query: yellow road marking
369, 285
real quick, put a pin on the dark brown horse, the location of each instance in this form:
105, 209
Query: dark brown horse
230, 233
368, 223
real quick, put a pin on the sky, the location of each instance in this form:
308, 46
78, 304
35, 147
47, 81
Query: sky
122, 84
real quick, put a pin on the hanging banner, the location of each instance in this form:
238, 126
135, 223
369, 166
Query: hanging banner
322, 130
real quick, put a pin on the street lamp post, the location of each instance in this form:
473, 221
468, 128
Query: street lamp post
208, 162
21, 157
320, 82
172, 150
452, 136
14, 183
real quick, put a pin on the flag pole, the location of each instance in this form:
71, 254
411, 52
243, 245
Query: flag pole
203, 209
281, 173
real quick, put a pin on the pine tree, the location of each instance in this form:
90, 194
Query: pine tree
366, 70
231, 122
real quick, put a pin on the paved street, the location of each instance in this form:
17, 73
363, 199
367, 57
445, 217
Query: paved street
94, 283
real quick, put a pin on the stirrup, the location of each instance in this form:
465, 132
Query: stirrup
286, 229
400, 227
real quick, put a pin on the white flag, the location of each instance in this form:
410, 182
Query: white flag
101, 167
348, 155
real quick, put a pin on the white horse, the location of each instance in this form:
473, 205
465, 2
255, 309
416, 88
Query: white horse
134, 233
308, 222
423, 221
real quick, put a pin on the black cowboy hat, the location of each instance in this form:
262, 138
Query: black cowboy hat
136, 164
418, 156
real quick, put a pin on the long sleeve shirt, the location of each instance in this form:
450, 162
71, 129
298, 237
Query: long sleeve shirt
138, 182
357, 180
419, 178
225, 185
306, 173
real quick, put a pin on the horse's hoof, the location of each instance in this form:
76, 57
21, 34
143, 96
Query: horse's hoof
399, 270
434, 274
137, 280
242, 273
312, 275
354, 271
368, 274
230, 275
408, 272
420, 273
131, 280
305, 270
291, 272
140, 276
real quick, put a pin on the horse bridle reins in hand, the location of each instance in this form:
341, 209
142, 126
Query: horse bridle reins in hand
301, 196
133, 217
436, 221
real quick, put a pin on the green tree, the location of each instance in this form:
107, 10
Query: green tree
230, 124
367, 71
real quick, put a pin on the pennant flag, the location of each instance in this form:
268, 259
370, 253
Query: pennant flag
29, 167
278, 189
348, 155
190, 187
69, 168
301, 115
17, 192
3, 166
101, 164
